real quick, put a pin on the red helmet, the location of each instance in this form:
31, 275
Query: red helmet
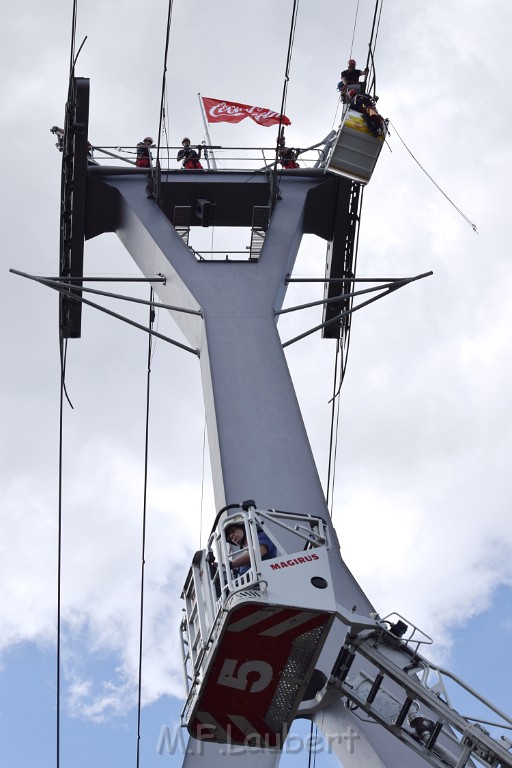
352, 92
351, 63
185, 139
148, 138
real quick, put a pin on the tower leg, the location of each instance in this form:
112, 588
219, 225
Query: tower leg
204, 755
344, 737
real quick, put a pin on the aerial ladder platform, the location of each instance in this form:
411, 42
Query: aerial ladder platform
250, 644
413, 703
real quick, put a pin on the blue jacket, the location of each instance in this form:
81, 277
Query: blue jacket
269, 554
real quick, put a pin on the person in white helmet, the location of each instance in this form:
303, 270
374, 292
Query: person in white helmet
188, 155
235, 534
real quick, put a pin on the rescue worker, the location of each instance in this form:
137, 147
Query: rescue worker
287, 157
143, 159
235, 534
189, 156
350, 77
364, 104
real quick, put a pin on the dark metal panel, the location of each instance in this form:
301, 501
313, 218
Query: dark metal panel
234, 200
341, 256
73, 200
102, 214
325, 203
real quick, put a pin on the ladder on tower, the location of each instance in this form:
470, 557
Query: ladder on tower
260, 221
182, 221
404, 700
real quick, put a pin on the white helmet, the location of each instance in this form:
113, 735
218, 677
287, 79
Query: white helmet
237, 521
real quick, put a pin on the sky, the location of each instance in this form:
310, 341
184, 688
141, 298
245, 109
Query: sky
423, 482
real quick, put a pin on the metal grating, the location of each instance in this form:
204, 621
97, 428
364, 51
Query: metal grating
293, 679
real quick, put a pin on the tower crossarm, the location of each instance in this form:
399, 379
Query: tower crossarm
412, 701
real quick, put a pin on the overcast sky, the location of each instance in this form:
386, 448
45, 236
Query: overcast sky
422, 499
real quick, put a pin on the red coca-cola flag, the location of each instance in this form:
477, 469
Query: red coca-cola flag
218, 111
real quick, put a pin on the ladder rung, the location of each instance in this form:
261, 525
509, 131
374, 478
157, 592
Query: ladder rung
375, 687
435, 733
403, 712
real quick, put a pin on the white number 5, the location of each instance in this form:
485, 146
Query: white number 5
231, 680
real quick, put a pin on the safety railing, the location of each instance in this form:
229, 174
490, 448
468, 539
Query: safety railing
218, 158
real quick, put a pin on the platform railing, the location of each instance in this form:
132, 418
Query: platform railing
227, 158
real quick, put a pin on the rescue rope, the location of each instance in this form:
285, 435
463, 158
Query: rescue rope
473, 226
144, 511
336, 113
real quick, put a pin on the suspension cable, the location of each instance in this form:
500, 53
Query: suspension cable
73, 38
63, 354
337, 401
63, 393
291, 38
378, 27
163, 98
370, 63
310, 743
354, 30
144, 511
333, 400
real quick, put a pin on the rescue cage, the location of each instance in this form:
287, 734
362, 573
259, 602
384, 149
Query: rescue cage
355, 151
250, 641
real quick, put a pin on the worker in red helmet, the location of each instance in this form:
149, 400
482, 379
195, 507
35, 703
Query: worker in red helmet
188, 155
143, 159
364, 104
287, 156
350, 78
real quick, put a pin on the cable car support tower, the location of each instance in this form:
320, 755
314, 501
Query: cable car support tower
293, 636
